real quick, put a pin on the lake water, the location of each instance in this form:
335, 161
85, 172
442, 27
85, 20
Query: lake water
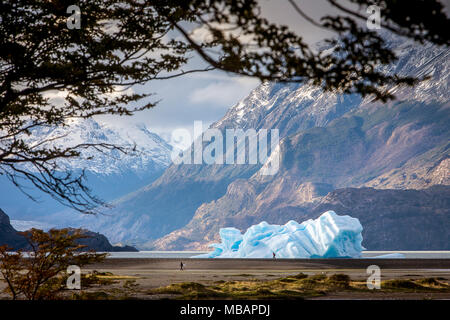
190, 254
155, 254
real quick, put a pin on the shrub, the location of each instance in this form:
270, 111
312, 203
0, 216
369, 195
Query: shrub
41, 274
300, 276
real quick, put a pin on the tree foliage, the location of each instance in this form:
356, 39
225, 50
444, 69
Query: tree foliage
125, 43
40, 273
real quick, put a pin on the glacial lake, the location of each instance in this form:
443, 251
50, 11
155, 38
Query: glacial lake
190, 254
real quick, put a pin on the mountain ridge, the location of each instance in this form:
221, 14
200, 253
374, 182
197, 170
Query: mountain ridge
391, 219
412, 152
308, 117
110, 174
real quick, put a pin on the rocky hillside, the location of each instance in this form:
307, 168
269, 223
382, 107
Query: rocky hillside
360, 149
98, 242
94, 241
399, 145
392, 219
395, 219
329, 141
8, 235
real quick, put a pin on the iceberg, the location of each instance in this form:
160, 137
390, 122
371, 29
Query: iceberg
328, 236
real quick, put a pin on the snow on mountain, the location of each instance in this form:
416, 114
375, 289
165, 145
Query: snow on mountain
110, 175
335, 140
23, 225
151, 150
184, 192
294, 107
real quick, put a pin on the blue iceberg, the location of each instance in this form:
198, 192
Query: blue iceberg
328, 236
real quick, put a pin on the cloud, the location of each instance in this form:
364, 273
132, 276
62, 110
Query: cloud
58, 97
206, 96
224, 92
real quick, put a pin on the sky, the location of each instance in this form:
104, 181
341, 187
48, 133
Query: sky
207, 96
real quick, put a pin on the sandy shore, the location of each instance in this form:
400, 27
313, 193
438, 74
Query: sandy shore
271, 264
149, 273
154, 273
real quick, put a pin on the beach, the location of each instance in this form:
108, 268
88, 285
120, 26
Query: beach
147, 274
155, 273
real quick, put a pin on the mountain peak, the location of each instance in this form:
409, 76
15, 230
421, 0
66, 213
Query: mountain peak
151, 149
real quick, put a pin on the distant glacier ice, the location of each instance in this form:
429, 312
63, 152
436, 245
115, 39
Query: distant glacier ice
389, 256
328, 236
24, 225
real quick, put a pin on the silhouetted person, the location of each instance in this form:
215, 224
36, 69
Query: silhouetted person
273, 255
181, 265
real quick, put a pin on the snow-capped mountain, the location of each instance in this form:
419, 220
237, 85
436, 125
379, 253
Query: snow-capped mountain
329, 141
333, 141
110, 174
303, 111
150, 149
294, 107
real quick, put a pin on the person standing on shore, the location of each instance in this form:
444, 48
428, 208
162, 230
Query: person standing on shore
181, 266
273, 255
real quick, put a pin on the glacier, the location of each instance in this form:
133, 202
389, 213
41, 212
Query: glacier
328, 236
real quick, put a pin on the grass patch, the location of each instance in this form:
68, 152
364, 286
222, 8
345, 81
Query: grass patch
187, 290
98, 295
318, 277
300, 276
90, 280
287, 280
96, 278
130, 284
339, 280
293, 287
401, 284
308, 283
405, 285
117, 277
433, 282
